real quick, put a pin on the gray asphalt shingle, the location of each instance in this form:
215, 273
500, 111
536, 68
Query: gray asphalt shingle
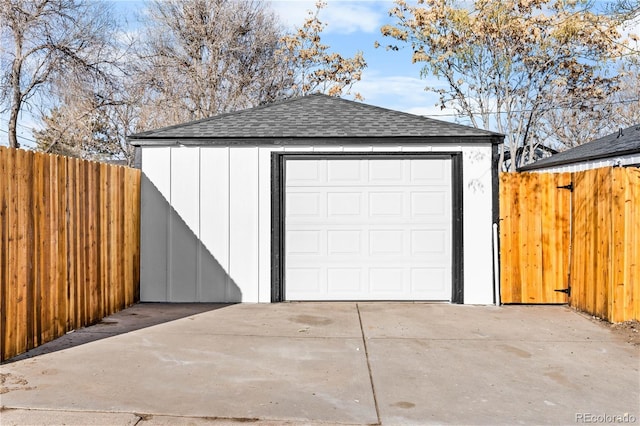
312, 116
616, 144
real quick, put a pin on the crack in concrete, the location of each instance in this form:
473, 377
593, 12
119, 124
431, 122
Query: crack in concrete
366, 354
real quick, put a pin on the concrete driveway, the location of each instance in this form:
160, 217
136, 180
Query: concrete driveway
328, 363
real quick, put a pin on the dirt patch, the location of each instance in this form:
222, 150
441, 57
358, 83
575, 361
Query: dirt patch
515, 351
311, 320
10, 382
404, 404
628, 330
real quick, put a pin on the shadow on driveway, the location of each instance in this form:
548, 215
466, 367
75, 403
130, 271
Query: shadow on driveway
136, 317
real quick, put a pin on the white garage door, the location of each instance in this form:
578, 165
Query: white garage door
368, 229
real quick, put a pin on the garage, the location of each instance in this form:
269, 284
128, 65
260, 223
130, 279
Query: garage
362, 228
318, 198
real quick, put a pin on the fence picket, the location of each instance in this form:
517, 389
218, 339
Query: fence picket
62, 263
604, 257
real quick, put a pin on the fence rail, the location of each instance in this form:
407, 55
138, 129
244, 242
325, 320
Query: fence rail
69, 245
586, 238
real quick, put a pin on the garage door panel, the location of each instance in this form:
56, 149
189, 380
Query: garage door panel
344, 242
344, 204
304, 281
345, 171
430, 203
429, 241
341, 281
304, 242
428, 280
386, 204
303, 172
303, 204
434, 173
387, 241
386, 280
369, 230
386, 171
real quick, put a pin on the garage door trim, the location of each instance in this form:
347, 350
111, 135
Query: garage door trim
278, 179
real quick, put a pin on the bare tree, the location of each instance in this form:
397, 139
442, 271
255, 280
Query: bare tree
42, 38
505, 63
572, 125
625, 102
90, 122
194, 59
204, 57
315, 68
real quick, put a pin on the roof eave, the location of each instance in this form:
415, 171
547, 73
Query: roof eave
561, 162
493, 139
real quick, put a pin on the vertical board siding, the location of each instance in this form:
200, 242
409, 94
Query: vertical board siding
155, 208
230, 224
586, 239
477, 221
243, 225
184, 223
69, 245
214, 224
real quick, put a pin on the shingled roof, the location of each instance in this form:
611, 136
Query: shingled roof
317, 117
624, 142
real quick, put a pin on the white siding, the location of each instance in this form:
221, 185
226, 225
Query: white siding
594, 164
220, 206
184, 225
243, 221
214, 284
477, 203
155, 208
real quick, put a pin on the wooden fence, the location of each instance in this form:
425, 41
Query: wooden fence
69, 246
586, 238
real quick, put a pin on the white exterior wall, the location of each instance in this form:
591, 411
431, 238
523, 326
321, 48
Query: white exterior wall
595, 164
206, 221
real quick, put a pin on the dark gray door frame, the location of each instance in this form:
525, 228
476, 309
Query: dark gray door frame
278, 179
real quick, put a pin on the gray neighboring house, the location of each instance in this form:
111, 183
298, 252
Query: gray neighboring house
318, 198
621, 148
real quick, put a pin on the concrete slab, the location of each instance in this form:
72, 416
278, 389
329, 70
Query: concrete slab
139, 316
421, 381
281, 319
171, 370
55, 417
307, 363
444, 321
508, 365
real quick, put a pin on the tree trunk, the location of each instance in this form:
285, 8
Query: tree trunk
16, 101
13, 124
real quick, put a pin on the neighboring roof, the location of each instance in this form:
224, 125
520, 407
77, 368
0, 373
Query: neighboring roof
539, 151
623, 142
314, 116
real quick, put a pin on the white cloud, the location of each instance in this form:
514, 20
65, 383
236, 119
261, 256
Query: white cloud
402, 93
341, 17
632, 28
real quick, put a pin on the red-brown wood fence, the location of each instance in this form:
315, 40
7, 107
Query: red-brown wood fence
69, 245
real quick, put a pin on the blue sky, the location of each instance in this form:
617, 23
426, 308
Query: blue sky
390, 79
